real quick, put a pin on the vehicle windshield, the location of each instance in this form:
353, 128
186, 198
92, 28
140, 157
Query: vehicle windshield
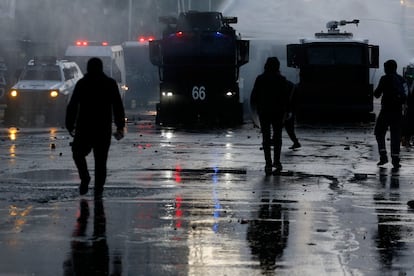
333, 55
199, 22
41, 73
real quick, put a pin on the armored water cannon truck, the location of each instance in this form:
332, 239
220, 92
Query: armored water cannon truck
198, 58
334, 73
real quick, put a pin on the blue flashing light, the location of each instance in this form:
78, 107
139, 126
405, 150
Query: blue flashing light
219, 35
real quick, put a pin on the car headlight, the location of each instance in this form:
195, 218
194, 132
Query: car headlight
167, 94
230, 94
54, 93
13, 93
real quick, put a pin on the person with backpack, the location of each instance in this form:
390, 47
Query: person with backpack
393, 89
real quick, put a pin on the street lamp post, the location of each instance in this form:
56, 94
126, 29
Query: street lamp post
129, 19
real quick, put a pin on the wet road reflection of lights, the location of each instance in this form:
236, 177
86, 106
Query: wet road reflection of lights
20, 216
178, 211
167, 134
12, 150
177, 174
13, 136
53, 132
13, 133
217, 206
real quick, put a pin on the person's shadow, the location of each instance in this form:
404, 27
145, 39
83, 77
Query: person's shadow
90, 255
268, 234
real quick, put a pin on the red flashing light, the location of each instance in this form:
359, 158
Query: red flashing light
143, 39
179, 34
81, 43
91, 43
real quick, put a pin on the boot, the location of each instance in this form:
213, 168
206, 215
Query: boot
268, 169
383, 160
396, 163
278, 168
83, 187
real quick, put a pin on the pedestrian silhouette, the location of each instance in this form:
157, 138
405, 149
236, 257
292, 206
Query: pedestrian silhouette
290, 118
270, 98
95, 103
393, 89
408, 119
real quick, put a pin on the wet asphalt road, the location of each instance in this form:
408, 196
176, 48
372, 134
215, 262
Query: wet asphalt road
196, 202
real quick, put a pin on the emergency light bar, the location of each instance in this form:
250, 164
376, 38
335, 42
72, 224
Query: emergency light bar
91, 43
143, 39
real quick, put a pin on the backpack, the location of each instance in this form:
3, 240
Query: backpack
401, 87
400, 91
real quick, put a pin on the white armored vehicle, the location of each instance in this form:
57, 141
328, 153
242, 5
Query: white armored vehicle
42, 92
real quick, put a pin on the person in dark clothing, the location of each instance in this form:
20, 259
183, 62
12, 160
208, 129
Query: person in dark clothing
391, 88
408, 119
291, 118
95, 103
270, 97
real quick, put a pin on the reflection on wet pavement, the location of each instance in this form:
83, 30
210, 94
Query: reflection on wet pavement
188, 202
89, 255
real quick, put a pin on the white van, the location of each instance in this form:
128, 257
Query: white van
42, 92
112, 57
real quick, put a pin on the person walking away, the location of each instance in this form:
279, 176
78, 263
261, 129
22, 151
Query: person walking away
393, 89
94, 104
270, 98
291, 118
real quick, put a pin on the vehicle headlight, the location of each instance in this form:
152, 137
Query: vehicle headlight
167, 94
230, 94
54, 93
13, 93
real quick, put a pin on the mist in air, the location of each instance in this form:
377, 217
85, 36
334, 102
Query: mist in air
381, 21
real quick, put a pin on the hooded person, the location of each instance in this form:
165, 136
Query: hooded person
270, 98
392, 90
94, 105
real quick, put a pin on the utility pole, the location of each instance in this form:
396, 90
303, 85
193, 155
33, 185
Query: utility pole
129, 20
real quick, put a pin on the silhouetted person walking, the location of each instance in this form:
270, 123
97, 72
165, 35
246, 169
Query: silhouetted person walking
291, 117
270, 97
392, 89
408, 119
94, 104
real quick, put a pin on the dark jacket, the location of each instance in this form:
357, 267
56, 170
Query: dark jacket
270, 94
391, 88
94, 104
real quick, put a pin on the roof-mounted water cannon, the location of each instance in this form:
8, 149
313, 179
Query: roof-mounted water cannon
230, 19
333, 31
332, 26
